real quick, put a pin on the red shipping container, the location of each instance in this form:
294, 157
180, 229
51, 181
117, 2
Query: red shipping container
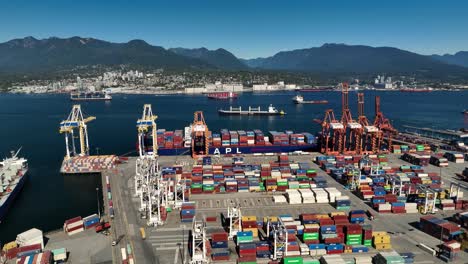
220, 258
73, 220
337, 251
247, 252
11, 254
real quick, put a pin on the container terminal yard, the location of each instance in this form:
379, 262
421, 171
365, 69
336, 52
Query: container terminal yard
363, 196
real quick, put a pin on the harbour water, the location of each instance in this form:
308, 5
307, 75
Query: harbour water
48, 198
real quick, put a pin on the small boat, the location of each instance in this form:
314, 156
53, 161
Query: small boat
298, 99
222, 95
251, 111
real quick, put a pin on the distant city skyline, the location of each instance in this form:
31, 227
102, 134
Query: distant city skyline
248, 29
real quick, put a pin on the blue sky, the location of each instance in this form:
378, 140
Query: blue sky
246, 28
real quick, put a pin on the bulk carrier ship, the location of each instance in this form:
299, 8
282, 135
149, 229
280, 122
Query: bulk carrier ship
90, 96
12, 178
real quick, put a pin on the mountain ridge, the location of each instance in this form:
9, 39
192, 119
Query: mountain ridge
30, 54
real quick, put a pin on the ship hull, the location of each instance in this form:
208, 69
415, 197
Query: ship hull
90, 99
9, 201
222, 112
240, 149
311, 102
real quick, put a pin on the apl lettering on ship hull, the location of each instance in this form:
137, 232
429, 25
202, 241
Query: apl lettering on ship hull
240, 150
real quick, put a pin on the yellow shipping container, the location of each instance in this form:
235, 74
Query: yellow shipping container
272, 219
249, 218
320, 216
10, 245
379, 233
271, 188
337, 213
383, 246
381, 240
254, 231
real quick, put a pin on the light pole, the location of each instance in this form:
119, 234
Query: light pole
98, 205
97, 151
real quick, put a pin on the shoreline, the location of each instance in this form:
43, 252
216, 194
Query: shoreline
182, 92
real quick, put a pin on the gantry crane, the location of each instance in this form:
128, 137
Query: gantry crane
200, 146
198, 241
383, 124
234, 215
372, 136
144, 124
76, 120
332, 144
352, 138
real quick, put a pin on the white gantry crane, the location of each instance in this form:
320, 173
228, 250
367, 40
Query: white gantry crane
74, 121
235, 220
280, 238
198, 243
147, 123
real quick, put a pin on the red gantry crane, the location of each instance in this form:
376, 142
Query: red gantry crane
333, 132
200, 145
372, 136
383, 124
353, 130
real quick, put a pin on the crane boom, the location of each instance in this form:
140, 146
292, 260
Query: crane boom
76, 120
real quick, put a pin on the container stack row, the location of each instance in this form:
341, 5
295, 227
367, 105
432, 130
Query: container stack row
439, 228
274, 176
389, 189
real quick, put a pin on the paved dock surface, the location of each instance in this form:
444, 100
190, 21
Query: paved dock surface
85, 247
168, 243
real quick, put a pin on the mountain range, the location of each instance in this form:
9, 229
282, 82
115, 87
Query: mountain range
460, 58
54, 54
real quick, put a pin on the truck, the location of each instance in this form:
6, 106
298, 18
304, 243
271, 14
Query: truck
102, 226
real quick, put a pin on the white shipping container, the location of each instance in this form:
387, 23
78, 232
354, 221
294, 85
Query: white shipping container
74, 224
75, 231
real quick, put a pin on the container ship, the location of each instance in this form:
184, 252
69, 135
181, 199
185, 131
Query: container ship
222, 95
298, 99
90, 96
228, 142
251, 111
12, 178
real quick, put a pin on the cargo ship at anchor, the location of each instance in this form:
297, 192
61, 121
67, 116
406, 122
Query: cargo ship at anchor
222, 95
90, 96
197, 140
12, 178
251, 111
298, 99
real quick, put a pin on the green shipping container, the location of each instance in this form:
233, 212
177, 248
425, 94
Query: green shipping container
168, 209
343, 207
109, 196
311, 171
282, 183
352, 243
293, 260
196, 185
354, 236
368, 243
311, 261
311, 236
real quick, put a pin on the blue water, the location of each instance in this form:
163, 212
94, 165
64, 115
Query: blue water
48, 198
